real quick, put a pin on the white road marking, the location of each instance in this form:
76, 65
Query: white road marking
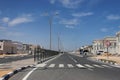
41, 65
51, 65
29, 73
70, 65
89, 66
25, 78
80, 66
107, 66
61, 65
73, 59
97, 66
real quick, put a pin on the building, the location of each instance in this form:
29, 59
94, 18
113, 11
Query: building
98, 45
118, 42
111, 48
19, 47
108, 44
7, 46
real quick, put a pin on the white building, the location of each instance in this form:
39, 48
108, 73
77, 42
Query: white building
118, 42
100, 45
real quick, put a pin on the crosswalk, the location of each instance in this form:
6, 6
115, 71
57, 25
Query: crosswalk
75, 66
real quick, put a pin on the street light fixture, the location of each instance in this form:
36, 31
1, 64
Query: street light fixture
50, 23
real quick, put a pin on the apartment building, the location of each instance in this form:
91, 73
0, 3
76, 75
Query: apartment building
118, 42
7, 46
98, 45
108, 44
112, 45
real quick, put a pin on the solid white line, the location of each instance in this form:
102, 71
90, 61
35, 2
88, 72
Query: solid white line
51, 65
61, 65
80, 66
29, 73
25, 78
73, 59
87, 65
70, 65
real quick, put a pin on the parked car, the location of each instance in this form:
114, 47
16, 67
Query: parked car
99, 52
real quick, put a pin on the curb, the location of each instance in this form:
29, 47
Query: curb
10, 74
104, 61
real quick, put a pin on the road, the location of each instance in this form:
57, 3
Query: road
14, 58
70, 67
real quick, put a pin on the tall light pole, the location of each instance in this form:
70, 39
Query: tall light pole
50, 23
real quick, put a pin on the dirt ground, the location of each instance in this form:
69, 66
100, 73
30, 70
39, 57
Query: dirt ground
4, 71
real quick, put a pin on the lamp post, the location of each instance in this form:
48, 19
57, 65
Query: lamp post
50, 23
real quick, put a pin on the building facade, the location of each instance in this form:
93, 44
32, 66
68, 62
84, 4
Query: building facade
7, 47
118, 42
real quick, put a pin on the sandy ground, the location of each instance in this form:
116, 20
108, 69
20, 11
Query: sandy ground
6, 68
113, 58
4, 55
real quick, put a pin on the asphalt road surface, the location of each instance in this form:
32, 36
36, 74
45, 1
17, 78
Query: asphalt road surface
69, 67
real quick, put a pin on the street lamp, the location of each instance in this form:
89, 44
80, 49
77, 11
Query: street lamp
50, 23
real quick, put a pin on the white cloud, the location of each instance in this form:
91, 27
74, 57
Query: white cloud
2, 28
69, 26
52, 1
68, 3
5, 19
82, 14
16, 34
69, 22
104, 30
20, 20
113, 17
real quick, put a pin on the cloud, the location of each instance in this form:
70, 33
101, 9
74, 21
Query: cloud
68, 3
82, 14
113, 17
69, 26
104, 30
16, 34
2, 28
69, 22
52, 1
5, 19
20, 20
17, 20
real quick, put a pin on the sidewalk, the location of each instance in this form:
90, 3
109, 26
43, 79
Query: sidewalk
112, 58
8, 67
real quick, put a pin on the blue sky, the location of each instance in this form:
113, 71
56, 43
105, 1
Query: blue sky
78, 22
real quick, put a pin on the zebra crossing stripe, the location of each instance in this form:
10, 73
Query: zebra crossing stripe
51, 65
70, 65
61, 65
87, 65
41, 65
107, 66
97, 66
80, 66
